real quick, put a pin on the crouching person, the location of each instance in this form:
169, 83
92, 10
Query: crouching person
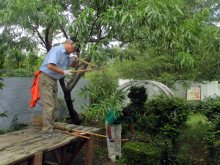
113, 131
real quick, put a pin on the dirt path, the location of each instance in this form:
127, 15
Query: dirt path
80, 160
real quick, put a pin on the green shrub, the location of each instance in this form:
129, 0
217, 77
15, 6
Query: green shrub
141, 153
210, 107
3, 114
103, 94
165, 115
138, 97
17, 73
16, 126
165, 118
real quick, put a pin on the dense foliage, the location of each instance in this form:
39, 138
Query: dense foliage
142, 153
138, 96
180, 46
103, 93
210, 107
166, 127
173, 39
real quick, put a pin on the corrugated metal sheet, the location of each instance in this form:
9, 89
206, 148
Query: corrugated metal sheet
16, 95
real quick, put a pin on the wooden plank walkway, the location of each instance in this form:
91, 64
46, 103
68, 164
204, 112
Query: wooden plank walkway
27, 144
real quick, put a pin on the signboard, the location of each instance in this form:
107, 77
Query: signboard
194, 93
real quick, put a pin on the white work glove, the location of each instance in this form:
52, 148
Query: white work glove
67, 73
74, 58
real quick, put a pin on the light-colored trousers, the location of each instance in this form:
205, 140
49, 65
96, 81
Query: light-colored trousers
48, 90
114, 148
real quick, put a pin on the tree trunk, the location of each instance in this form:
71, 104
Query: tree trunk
66, 89
67, 96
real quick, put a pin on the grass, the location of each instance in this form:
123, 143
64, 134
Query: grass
196, 119
196, 125
192, 145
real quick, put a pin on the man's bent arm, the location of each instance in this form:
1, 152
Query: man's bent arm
109, 130
132, 127
55, 68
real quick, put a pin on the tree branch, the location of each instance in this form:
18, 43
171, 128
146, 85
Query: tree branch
35, 30
47, 33
93, 26
100, 32
64, 32
94, 40
62, 83
123, 41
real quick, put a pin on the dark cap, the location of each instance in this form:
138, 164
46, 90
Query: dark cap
127, 112
75, 40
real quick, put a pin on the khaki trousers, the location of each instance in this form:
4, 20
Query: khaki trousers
48, 90
114, 148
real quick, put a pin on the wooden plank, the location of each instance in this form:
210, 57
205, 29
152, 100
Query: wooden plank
76, 152
89, 150
22, 145
64, 149
19, 137
37, 160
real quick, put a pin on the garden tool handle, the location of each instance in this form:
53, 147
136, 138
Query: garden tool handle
85, 70
84, 133
85, 62
122, 140
74, 130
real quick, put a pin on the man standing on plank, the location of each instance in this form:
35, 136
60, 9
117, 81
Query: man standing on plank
53, 68
113, 131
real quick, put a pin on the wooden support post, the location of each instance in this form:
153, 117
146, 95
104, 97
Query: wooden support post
89, 150
57, 155
76, 152
37, 160
64, 148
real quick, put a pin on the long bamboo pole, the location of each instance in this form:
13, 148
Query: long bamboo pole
71, 133
85, 137
39, 122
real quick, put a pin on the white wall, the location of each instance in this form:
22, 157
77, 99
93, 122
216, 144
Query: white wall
208, 89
